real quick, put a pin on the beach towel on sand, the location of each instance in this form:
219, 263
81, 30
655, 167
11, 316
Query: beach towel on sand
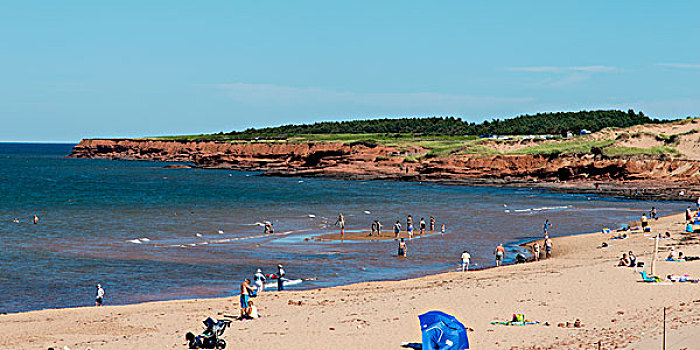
516, 320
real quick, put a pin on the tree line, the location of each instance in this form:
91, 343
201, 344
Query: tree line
540, 123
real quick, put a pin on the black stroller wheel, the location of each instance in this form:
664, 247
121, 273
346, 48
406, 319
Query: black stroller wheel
221, 344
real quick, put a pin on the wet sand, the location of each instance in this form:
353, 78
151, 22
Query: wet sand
581, 281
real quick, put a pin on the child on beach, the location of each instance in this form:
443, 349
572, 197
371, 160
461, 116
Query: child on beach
442, 229
536, 251
548, 248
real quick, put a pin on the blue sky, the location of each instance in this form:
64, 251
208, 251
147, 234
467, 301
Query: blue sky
75, 69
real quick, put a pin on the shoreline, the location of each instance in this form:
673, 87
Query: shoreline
360, 237
579, 282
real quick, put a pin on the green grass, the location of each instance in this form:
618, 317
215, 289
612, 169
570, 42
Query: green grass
564, 147
477, 149
618, 151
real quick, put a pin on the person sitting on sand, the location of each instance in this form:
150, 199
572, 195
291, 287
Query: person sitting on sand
536, 251
633, 259
432, 224
100, 295
624, 260
253, 310
421, 225
548, 248
500, 254
403, 249
672, 255
397, 229
246, 292
465, 260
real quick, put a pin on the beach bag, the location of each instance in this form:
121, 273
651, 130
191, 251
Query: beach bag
518, 318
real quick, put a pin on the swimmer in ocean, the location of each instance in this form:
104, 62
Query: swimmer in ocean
16, 220
341, 222
36, 219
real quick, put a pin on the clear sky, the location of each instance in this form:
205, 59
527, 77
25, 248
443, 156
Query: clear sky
75, 69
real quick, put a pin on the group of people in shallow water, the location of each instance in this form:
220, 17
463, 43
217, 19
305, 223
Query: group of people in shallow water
422, 226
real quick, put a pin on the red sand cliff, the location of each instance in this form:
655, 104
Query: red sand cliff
380, 162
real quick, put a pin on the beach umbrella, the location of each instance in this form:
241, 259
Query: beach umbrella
441, 331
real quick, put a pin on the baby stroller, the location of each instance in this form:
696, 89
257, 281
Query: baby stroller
210, 338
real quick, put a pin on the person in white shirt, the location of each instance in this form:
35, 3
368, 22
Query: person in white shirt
100, 295
465, 260
259, 280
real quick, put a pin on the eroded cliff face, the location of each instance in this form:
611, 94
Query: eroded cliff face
380, 162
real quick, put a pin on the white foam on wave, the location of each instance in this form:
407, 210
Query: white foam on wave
221, 232
144, 239
198, 234
367, 212
312, 216
559, 207
135, 241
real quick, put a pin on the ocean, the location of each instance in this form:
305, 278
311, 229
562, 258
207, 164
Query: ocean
149, 233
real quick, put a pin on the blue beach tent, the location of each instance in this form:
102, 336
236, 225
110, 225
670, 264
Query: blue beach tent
441, 331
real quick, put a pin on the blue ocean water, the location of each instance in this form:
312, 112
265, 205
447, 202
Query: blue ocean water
149, 233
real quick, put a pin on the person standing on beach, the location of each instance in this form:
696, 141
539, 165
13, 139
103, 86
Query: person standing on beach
374, 228
246, 292
100, 295
652, 214
536, 251
500, 254
422, 225
403, 249
397, 229
442, 229
259, 280
465, 260
36, 219
645, 221
280, 274
432, 223
409, 229
379, 227
548, 248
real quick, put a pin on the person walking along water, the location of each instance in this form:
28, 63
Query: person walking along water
100, 295
500, 254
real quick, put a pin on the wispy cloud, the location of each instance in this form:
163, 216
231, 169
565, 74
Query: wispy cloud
680, 65
289, 96
554, 69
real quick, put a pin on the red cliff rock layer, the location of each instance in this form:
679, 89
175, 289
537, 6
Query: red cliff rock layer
380, 162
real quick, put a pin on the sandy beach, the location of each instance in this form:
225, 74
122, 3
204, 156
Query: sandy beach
581, 281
